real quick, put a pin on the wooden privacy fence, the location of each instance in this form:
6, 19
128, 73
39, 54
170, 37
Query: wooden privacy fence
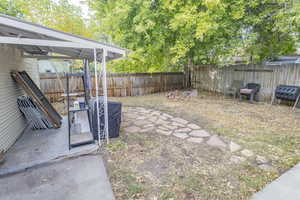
216, 79
53, 85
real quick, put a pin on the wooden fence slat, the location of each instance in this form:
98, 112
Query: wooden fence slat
118, 84
217, 79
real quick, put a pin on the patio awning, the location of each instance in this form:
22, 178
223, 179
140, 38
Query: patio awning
39, 40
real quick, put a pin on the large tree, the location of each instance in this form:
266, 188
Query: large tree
6, 7
164, 34
58, 14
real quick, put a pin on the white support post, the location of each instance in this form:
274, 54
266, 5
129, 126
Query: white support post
97, 96
104, 83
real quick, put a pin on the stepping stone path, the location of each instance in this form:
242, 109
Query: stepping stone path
142, 120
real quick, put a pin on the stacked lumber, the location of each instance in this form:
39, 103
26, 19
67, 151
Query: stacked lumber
33, 114
39, 99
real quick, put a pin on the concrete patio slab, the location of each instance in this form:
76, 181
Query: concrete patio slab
40, 147
286, 187
73, 179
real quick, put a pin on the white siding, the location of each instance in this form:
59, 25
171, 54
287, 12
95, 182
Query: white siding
30, 65
12, 122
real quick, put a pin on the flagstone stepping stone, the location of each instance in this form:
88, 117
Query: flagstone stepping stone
162, 122
193, 126
152, 119
143, 110
177, 124
163, 132
140, 122
195, 140
141, 118
179, 120
167, 115
170, 127
247, 153
237, 159
216, 142
267, 167
261, 160
125, 118
125, 124
234, 147
199, 133
133, 129
183, 130
163, 128
148, 125
163, 117
132, 116
155, 113
180, 135
145, 130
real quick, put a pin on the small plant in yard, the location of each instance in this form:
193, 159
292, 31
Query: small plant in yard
134, 190
116, 146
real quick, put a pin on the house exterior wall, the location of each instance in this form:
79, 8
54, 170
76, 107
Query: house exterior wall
30, 65
12, 123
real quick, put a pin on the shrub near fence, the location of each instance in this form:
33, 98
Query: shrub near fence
118, 84
216, 79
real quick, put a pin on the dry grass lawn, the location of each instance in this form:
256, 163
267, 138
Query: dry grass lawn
269, 130
148, 166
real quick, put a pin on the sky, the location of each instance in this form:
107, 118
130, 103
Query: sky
83, 5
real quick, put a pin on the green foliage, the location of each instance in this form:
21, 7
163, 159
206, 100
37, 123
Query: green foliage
60, 14
165, 34
6, 7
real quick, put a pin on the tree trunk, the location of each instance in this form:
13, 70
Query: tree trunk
187, 74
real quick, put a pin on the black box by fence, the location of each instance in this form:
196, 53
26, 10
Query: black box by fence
114, 118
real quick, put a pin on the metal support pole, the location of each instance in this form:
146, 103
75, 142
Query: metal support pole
97, 96
296, 103
273, 98
104, 83
69, 116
